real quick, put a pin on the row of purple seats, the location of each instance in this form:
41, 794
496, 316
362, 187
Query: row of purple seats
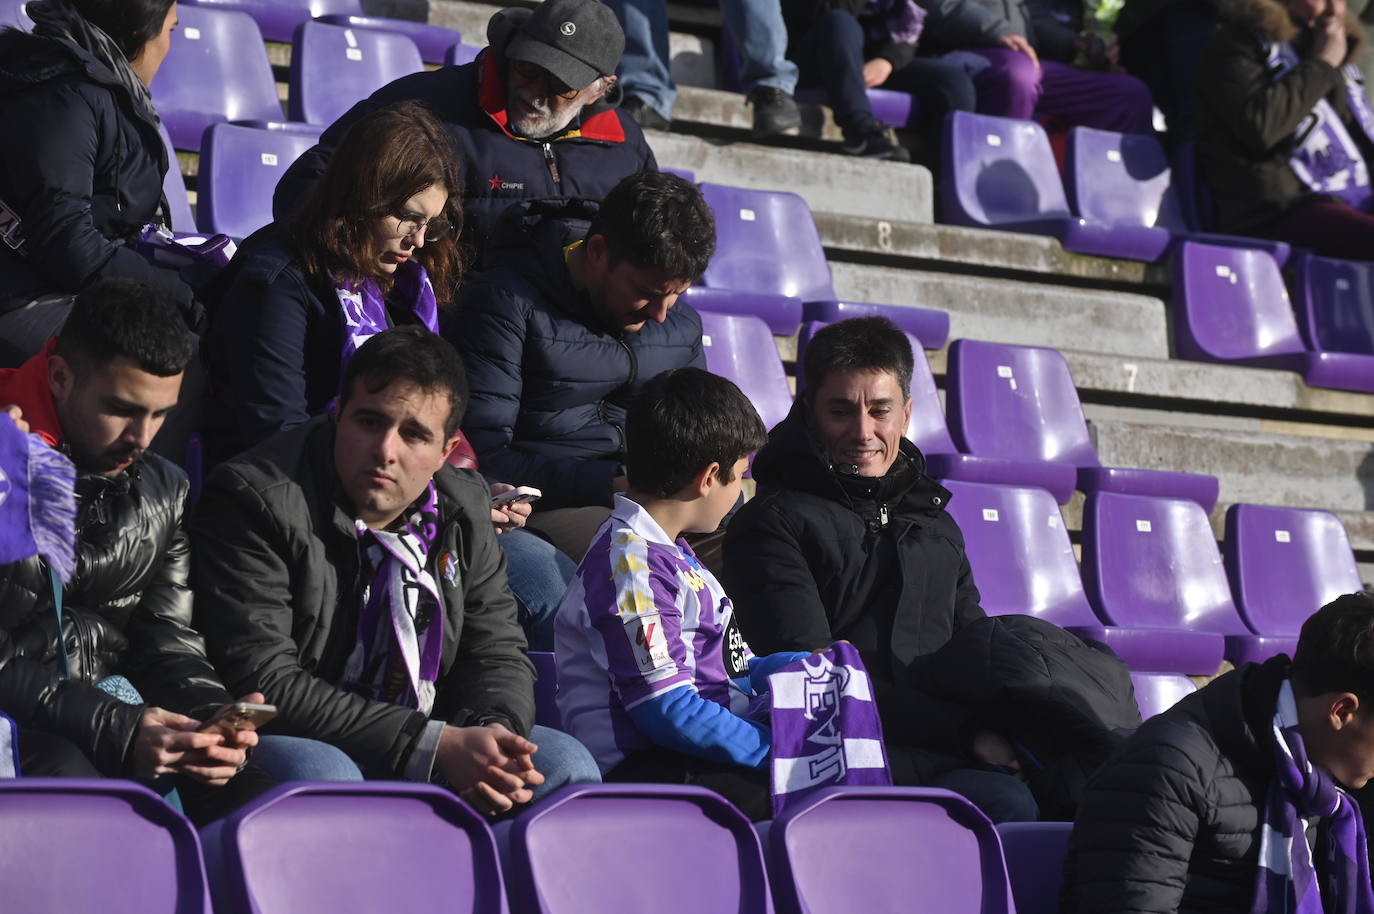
12, 13
334, 67
239, 170
278, 20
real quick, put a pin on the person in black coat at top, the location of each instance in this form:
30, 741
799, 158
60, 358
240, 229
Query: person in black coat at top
849, 539
81, 161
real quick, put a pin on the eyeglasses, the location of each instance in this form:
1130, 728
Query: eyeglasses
409, 223
529, 73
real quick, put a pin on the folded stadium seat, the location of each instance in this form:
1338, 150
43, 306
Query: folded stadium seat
769, 262
1035, 853
1154, 563
112, 846
174, 188
898, 109
1019, 401
216, 70
348, 847
460, 54
1155, 692
278, 19
333, 68
239, 170
434, 41
1286, 563
1230, 305
740, 347
12, 13
1335, 304
545, 689
1018, 547
575, 851
1124, 180
886, 850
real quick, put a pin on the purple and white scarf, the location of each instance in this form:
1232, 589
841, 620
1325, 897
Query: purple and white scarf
826, 729
1286, 878
364, 307
402, 614
37, 501
898, 21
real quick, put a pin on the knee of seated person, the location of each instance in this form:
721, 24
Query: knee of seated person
1001, 797
562, 760
1019, 71
838, 23
294, 758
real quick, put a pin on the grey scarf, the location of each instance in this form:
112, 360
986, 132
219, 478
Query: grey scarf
59, 19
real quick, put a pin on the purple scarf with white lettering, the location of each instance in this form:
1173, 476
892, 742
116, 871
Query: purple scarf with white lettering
364, 306
825, 724
898, 21
37, 501
1286, 878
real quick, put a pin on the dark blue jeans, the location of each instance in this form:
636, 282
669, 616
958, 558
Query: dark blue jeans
1001, 797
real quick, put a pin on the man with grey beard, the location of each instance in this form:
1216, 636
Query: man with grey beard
535, 115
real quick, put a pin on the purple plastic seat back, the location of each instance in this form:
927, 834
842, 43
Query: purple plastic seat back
887, 850
930, 328
1154, 563
174, 187
460, 54
278, 19
545, 689
997, 170
1230, 303
110, 846
1018, 546
740, 347
766, 241
239, 170
1035, 853
216, 70
573, 852
1155, 692
333, 68
1121, 179
12, 13
350, 847
1286, 563
898, 109
1015, 402
433, 41
1336, 301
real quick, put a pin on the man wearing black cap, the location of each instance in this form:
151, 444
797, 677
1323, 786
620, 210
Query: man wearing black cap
533, 116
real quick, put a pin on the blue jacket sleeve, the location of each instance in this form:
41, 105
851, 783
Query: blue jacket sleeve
760, 668
685, 722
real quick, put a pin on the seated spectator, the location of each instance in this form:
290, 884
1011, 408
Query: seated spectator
849, 540
1161, 44
652, 674
576, 312
533, 116
766, 75
81, 160
123, 689
849, 46
351, 575
1235, 799
1286, 131
1020, 57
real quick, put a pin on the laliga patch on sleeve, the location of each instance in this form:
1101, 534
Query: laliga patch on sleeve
645, 632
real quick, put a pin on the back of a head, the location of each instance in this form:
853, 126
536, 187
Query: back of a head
412, 355
655, 219
130, 23
124, 318
1335, 650
859, 344
682, 421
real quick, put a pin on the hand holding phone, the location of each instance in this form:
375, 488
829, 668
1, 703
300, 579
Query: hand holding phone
520, 495
241, 715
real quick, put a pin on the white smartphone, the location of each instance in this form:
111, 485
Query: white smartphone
518, 496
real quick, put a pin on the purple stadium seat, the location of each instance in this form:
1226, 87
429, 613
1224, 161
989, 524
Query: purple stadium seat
1286, 563
12, 13
1018, 547
545, 689
740, 347
1035, 853
574, 852
460, 54
1154, 563
279, 19
174, 188
1230, 305
353, 847
434, 41
1155, 692
769, 262
899, 109
1335, 302
333, 68
928, 327
686, 175
110, 846
1019, 402
239, 170
885, 850
216, 71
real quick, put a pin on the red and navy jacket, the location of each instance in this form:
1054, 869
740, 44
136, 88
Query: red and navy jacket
499, 168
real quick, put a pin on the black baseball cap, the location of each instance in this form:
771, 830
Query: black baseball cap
575, 40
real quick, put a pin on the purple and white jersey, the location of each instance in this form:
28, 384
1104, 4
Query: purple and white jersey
641, 618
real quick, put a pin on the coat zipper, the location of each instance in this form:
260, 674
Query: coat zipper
552, 163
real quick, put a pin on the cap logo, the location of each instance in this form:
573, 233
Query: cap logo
568, 28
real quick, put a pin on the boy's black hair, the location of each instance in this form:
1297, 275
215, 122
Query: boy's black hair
655, 219
125, 318
682, 421
859, 344
1336, 649
130, 23
417, 356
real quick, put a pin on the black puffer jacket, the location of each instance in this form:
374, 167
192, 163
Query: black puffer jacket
126, 610
82, 165
549, 385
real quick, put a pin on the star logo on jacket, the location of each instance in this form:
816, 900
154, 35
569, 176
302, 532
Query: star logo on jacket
499, 183
448, 569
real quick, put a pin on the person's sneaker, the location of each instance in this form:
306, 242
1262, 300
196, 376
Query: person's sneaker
775, 112
644, 115
878, 143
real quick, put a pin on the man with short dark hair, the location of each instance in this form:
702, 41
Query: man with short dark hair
577, 311
351, 575
1235, 798
533, 116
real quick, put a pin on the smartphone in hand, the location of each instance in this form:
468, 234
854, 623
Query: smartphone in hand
518, 496
241, 715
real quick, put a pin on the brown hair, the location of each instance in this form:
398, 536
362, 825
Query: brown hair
385, 158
